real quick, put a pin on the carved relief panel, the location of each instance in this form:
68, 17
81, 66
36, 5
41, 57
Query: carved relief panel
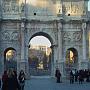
10, 35
72, 36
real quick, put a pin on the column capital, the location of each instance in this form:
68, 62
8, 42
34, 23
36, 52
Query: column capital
84, 25
59, 25
22, 24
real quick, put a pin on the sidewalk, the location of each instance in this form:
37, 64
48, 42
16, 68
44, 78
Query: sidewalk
50, 84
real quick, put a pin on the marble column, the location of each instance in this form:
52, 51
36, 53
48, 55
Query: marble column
54, 59
60, 59
59, 42
22, 61
26, 52
23, 64
84, 62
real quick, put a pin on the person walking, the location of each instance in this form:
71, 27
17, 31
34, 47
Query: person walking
0, 82
12, 81
58, 75
21, 79
81, 79
71, 77
76, 76
5, 81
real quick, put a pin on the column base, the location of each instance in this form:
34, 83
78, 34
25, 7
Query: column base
23, 66
61, 68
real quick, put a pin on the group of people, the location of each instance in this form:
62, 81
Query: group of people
10, 80
79, 76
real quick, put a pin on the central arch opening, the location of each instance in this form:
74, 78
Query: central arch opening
39, 56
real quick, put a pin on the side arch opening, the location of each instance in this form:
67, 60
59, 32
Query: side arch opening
71, 62
10, 61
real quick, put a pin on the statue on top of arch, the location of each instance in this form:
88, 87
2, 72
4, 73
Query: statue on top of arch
22, 7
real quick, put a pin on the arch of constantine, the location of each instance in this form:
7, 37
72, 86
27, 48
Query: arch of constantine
65, 23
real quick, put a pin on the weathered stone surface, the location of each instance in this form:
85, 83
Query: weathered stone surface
22, 21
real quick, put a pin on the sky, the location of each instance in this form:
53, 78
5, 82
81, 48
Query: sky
41, 40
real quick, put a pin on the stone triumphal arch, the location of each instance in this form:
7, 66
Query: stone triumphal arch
64, 22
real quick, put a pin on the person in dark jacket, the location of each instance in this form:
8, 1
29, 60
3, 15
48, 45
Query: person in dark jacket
58, 75
0, 82
12, 81
71, 77
21, 79
5, 81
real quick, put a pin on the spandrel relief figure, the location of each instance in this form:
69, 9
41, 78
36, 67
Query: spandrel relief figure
5, 36
77, 36
67, 36
14, 35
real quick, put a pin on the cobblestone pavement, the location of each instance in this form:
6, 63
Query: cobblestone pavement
50, 84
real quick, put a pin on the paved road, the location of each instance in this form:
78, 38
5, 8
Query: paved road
50, 84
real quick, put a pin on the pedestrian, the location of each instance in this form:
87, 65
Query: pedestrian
21, 79
58, 75
76, 76
0, 82
16, 84
81, 76
71, 77
12, 80
5, 81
